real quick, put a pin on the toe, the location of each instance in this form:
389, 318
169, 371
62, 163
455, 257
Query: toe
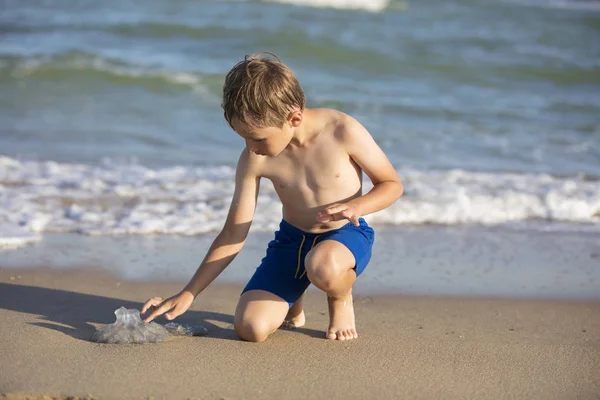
331, 335
291, 325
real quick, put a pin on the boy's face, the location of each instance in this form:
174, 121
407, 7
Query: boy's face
266, 141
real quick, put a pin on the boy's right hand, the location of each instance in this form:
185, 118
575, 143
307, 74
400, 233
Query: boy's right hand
173, 306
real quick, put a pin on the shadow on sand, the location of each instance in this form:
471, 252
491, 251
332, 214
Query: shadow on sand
75, 313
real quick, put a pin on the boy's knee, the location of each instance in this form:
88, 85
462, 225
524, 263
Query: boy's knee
251, 330
322, 269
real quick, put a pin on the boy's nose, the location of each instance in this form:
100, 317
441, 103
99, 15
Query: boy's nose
252, 148
255, 150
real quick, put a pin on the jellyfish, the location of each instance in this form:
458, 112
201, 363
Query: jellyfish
129, 328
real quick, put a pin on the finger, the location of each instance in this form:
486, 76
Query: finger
324, 217
154, 301
351, 217
336, 208
339, 216
348, 215
151, 303
158, 312
175, 312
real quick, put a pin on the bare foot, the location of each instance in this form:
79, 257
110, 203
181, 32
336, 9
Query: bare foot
295, 318
341, 318
294, 322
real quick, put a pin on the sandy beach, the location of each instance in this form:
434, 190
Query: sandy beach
409, 347
118, 171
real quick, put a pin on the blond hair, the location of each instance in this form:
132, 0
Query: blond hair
261, 91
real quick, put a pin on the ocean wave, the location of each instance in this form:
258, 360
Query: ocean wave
144, 29
117, 199
77, 62
586, 5
367, 5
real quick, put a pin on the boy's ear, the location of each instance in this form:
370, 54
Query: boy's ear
295, 118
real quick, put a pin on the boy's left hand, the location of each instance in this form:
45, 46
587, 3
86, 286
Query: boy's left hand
339, 211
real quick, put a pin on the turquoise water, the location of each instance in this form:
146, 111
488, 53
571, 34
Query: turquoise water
484, 85
110, 119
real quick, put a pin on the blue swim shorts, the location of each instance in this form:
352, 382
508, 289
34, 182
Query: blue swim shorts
282, 272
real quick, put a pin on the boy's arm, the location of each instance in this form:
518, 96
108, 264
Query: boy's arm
232, 237
223, 249
387, 187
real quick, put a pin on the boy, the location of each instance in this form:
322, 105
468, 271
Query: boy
315, 159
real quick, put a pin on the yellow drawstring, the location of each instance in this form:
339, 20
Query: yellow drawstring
313, 245
299, 256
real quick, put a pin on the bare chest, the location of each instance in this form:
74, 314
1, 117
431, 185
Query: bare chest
314, 172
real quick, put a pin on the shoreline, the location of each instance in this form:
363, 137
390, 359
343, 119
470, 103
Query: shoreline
431, 261
16, 275
409, 346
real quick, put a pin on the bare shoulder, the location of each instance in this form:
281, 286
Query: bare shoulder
250, 164
346, 129
338, 123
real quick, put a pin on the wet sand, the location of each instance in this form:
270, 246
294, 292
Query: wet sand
409, 347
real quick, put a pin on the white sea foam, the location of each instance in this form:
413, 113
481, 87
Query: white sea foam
458, 197
368, 5
12, 236
114, 199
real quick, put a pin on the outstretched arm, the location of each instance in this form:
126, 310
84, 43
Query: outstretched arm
232, 237
225, 247
387, 187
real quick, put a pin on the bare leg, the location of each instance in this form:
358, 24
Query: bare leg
258, 314
295, 317
329, 267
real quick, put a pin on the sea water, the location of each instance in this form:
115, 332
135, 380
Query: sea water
110, 119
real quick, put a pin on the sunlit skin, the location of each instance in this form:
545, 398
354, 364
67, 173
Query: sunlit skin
315, 161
